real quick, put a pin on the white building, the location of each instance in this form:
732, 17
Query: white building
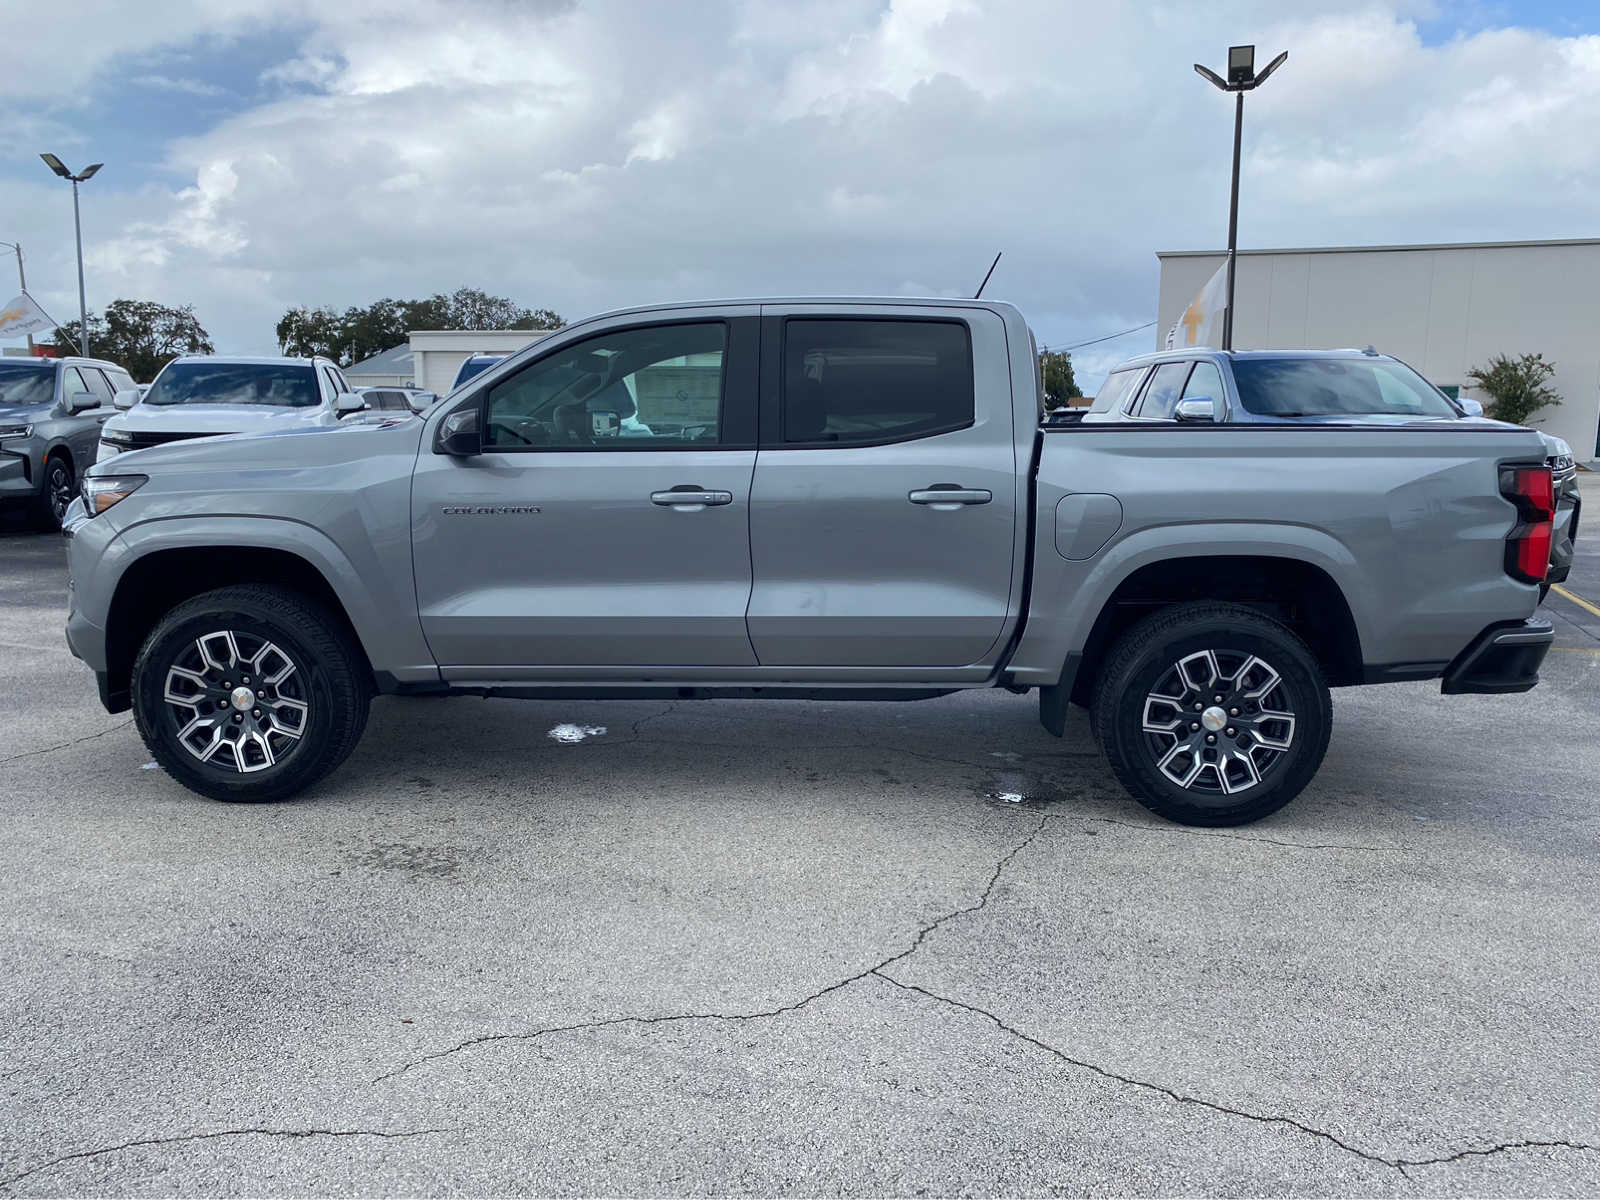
1443, 309
436, 354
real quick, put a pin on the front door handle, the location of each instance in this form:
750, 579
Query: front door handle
690, 497
948, 496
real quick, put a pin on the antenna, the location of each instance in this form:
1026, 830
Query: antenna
979, 294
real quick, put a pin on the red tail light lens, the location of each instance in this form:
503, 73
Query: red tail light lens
1533, 491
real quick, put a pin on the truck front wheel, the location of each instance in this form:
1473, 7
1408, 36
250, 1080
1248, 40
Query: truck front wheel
1212, 714
250, 693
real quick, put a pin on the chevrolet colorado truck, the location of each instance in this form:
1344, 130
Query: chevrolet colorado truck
841, 498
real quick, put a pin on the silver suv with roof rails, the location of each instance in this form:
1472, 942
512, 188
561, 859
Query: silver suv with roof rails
51, 410
836, 498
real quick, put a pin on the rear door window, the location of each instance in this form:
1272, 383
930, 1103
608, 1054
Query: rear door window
872, 381
1161, 395
98, 383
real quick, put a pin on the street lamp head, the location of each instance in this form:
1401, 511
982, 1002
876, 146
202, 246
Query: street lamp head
1208, 74
89, 171
56, 165
1271, 67
1241, 65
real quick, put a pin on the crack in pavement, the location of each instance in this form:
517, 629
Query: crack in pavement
217, 1133
1398, 1164
88, 737
766, 1014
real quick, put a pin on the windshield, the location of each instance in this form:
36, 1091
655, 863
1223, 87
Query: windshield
1333, 387
284, 385
27, 386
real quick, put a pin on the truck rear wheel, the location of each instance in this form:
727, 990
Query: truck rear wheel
1212, 714
250, 693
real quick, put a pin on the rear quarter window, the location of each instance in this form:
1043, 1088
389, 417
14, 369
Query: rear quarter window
1117, 388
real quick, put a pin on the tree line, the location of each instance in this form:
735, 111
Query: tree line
144, 336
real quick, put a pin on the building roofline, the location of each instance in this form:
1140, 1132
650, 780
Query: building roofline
1382, 249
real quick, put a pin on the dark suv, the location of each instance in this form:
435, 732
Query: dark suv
51, 410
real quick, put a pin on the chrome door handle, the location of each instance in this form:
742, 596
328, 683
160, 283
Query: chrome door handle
948, 495
689, 496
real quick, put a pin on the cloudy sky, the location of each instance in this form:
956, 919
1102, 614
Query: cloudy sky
588, 154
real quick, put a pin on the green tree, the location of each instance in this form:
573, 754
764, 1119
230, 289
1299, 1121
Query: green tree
1059, 383
360, 332
141, 335
1517, 387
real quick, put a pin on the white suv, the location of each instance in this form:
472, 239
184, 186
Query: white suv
205, 395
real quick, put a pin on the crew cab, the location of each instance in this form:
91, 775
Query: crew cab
197, 396
807, 498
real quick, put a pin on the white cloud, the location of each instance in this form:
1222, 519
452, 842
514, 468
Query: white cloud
167, 83
591, 155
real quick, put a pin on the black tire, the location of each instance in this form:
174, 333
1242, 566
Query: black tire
300, 724
55, 492
1143, 674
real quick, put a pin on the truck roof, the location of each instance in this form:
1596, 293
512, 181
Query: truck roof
841, 301
246, 359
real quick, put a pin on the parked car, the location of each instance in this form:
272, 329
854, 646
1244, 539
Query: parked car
51, 410
1569, 505
474, 365
199, 396
852, 499
1319, 386
383, 398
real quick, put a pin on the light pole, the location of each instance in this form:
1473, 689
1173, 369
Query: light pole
22, 282
1241, 79
60, 168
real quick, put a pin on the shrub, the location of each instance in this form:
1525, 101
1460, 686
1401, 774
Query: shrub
1517, 387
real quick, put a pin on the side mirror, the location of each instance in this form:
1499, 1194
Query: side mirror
82, 401
1198, 408
1470, 407
346, 403
126, 397
460, 434
420, 401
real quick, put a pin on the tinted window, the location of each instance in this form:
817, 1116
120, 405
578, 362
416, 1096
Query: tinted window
1117, 388
1161, 396
476, 364
644, 389
78, 381
286, 385
332, 381
96, 380
26, 385
1330, 387
1205, 382
866, 381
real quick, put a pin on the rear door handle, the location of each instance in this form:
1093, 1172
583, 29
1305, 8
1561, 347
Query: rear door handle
690, 496
950, 495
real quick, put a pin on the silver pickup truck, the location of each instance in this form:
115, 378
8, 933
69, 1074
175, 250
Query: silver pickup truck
806, 498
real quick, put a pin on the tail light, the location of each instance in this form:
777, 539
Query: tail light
1533, 491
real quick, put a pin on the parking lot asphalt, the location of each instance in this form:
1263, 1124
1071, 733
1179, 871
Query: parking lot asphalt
791, 947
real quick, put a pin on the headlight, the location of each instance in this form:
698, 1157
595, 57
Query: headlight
100, 492
1561, 462
16, 431
117, 437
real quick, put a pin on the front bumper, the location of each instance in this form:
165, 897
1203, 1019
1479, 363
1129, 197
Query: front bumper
19, 475
1503, 658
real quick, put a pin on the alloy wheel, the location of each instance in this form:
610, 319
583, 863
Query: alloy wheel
60, 484
236, 701
1219, 721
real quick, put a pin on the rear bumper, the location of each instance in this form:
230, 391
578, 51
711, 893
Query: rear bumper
1503, 658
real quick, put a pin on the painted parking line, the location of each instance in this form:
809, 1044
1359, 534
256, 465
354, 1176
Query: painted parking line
1573, 650
1575, 598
